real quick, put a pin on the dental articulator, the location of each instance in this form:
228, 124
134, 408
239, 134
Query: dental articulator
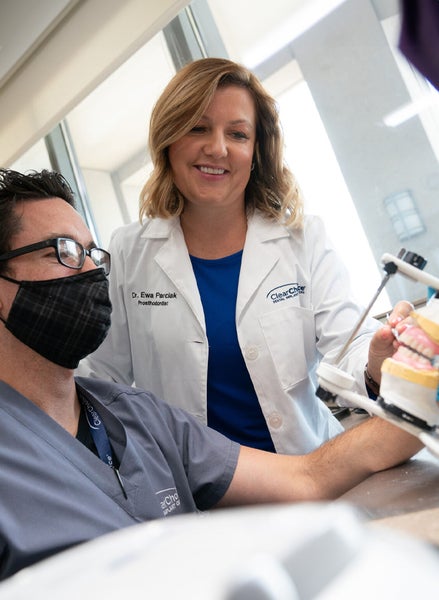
409, 391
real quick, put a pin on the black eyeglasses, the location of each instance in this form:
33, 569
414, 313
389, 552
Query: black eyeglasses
69, 253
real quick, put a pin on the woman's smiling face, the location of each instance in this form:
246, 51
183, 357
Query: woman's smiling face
211, 164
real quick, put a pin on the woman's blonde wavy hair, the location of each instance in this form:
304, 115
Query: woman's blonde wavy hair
272, 188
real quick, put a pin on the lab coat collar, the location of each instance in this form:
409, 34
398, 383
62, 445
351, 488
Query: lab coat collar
264, 229
173, 258
259, 257
159, 228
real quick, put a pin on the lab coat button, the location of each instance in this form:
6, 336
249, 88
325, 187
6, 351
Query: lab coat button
251, 352
275, 420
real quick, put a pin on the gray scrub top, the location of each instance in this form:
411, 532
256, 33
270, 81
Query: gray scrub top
56, 493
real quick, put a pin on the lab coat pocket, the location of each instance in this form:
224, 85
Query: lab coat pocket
290, 337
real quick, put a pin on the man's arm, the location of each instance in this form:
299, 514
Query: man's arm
324, 474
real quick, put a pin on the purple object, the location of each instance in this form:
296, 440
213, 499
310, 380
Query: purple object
419, 38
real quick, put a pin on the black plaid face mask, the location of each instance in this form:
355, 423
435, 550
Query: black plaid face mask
63, 319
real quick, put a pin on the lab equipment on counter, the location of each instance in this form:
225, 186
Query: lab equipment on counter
409, 391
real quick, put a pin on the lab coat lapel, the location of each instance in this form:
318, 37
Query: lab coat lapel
259, 257
173, 258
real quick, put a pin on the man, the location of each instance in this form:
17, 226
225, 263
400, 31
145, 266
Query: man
82, 457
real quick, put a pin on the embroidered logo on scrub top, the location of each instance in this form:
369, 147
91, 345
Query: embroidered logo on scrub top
285, 292
169, 500
146, 298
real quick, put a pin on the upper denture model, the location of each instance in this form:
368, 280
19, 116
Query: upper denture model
410, 379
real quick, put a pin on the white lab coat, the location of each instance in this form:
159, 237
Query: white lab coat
293, 308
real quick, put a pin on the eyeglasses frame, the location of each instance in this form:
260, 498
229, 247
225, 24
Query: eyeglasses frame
54, 243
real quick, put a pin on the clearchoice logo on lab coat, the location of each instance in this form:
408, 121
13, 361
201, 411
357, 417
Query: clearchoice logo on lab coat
285, 292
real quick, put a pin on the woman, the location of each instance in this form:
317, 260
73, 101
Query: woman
225, 296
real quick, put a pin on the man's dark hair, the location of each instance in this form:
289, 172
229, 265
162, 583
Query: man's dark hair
16, 187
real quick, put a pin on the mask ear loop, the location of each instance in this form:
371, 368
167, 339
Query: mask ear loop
6, 278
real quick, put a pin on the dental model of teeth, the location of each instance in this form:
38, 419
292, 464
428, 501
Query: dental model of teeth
409, 390
410, 379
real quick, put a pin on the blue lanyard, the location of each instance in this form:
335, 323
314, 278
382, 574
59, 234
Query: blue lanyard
100, 437
98, 432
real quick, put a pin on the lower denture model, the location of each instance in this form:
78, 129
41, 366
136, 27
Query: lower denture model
410, 379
